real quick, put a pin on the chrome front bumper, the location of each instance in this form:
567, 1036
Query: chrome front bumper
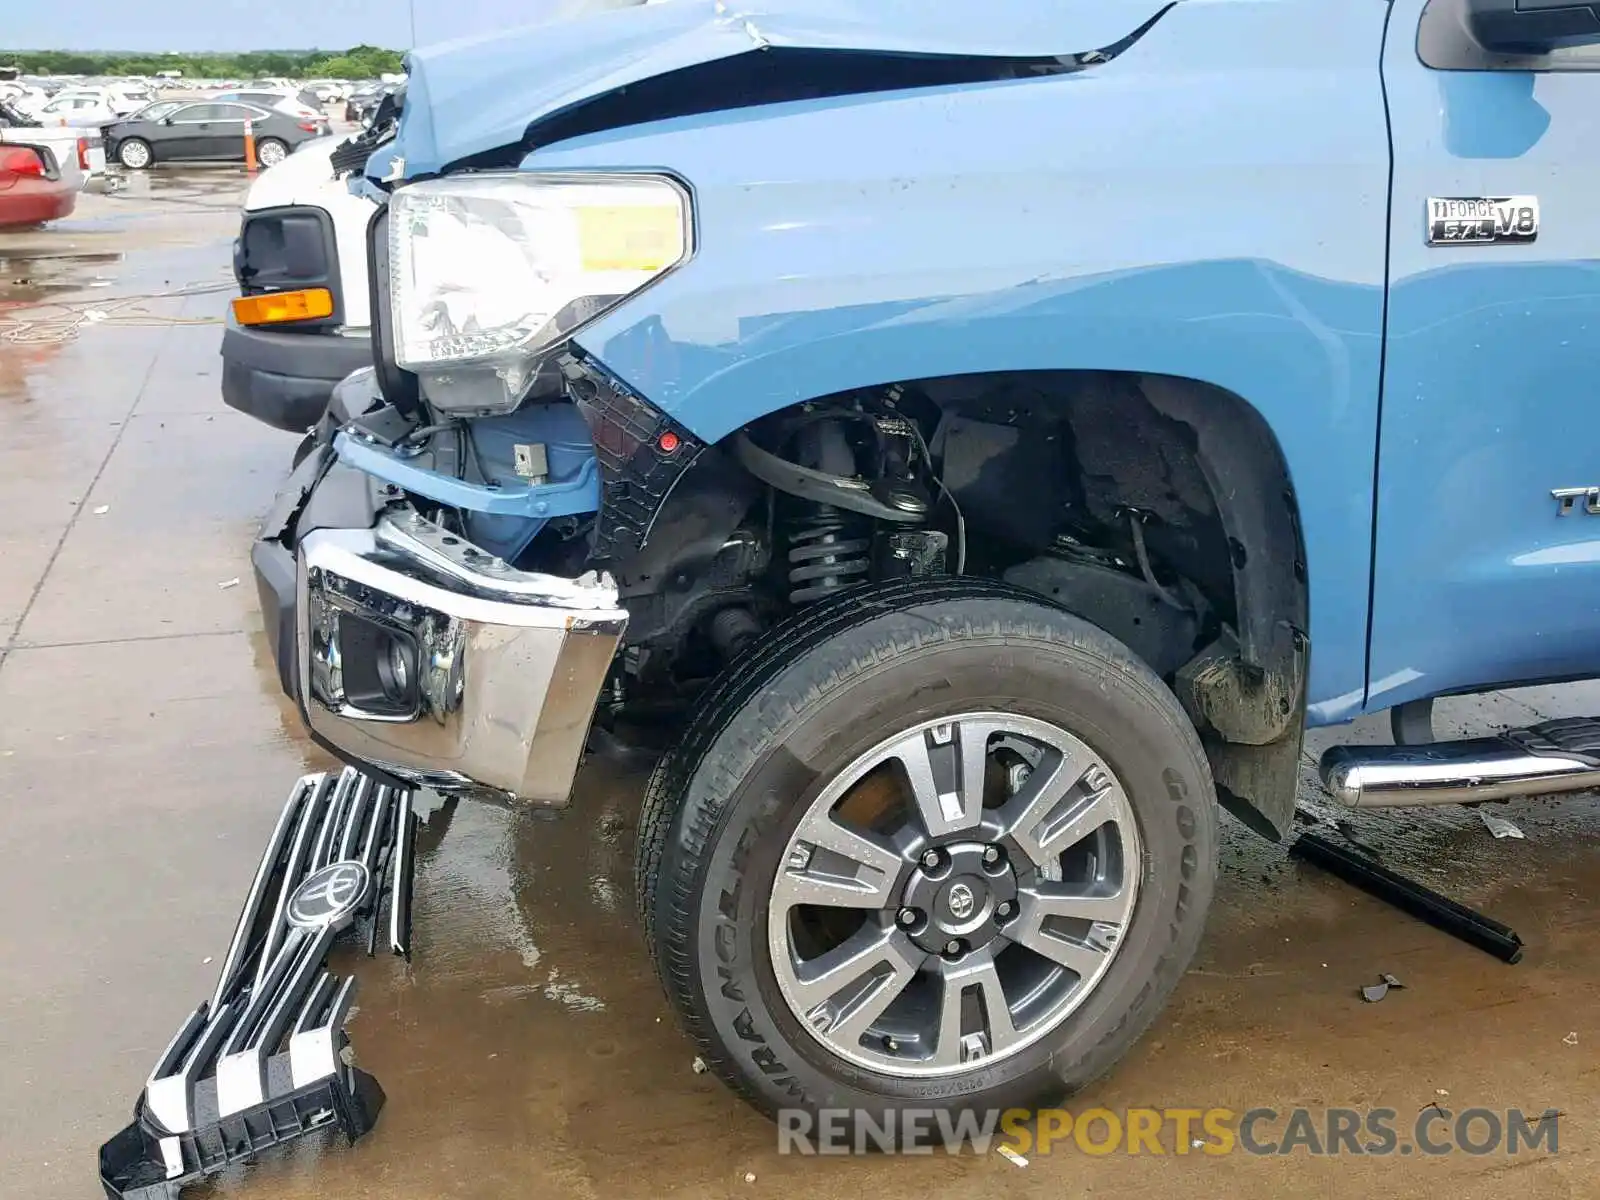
441, 665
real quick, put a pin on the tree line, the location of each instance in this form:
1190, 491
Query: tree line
358, 62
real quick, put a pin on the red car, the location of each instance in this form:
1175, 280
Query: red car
32, 188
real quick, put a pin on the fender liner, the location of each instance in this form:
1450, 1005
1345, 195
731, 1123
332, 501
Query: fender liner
1246, 692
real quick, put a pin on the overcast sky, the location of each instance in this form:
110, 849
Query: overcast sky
157, 25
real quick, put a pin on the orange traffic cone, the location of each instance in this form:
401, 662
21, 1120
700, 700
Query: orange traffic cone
249, 147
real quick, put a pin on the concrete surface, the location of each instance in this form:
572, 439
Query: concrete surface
144, 753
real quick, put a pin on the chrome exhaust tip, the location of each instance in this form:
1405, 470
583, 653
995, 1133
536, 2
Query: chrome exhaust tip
1554, 757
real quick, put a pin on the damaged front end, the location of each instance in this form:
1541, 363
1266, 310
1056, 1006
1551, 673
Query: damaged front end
490, 100
436, 575
420, 656
440, 664
422, 660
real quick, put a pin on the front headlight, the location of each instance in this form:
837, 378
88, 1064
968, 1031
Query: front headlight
489, 272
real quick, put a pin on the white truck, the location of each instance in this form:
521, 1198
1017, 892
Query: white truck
302, 321
79, 152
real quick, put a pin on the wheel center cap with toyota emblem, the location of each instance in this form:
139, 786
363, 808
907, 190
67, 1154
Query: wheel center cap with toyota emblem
329, 897
956, 893
961, 901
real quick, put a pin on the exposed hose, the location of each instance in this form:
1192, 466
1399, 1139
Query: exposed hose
1143, 556
961, 522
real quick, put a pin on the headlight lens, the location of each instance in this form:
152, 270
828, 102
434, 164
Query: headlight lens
490, 271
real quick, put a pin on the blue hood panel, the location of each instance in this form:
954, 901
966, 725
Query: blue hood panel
470, 96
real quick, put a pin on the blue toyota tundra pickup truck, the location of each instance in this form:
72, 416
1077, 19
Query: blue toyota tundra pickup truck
993, 433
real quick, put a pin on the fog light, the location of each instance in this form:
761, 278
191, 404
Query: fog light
395, 671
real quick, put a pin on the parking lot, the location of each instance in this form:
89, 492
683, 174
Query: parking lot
145, 751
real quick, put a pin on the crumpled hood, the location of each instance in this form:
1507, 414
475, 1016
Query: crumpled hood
470, 96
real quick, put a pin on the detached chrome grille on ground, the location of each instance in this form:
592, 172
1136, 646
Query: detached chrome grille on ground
263, 1061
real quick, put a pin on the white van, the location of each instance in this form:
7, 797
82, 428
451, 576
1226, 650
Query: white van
303, 240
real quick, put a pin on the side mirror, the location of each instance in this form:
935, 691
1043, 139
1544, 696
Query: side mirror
166, 120
1524, 27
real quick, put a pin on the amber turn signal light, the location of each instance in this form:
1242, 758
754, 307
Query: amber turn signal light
274, 307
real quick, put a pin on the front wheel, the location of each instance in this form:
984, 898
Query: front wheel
928, 846
135, 154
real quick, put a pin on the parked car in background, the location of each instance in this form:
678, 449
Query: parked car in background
33, 188
363, 102
302, 322
79, 108
325, 90
126, 98
303, 105
206, 130
79, 153
23, 97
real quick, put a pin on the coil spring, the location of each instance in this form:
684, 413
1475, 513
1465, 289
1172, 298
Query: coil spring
826, 553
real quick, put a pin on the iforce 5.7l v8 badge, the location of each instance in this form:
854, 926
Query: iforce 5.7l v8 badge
1481, 220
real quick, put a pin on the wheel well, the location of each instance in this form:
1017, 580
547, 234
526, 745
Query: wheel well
1042, 459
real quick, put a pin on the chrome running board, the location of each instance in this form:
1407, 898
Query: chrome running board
263, 1060
1557, 756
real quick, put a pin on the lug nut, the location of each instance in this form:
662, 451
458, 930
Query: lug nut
1003, 910
991, 854
931, 859
907, 917
892, 1046
952, 948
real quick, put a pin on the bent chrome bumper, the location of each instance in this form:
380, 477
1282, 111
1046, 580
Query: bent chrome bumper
443, 666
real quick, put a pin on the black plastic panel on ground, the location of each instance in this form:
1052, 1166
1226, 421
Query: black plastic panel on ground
134, 1165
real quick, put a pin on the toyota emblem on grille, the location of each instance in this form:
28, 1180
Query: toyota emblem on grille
961, 901
328, 896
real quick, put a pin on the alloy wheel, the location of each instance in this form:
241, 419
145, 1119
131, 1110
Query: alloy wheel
954, 894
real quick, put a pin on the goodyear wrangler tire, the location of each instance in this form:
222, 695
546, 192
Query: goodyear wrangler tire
927, 846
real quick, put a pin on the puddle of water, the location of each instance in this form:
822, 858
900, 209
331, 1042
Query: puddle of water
35, 271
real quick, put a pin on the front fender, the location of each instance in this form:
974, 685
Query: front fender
1210, 204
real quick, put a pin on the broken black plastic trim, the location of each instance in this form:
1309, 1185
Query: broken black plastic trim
1408, 895
780, 75
642, 454
144, 1162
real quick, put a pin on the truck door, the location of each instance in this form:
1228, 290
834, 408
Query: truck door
1492, 364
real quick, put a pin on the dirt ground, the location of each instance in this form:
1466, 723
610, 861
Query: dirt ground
145, 752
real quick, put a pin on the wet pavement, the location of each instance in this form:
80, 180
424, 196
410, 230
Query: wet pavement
145, 752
